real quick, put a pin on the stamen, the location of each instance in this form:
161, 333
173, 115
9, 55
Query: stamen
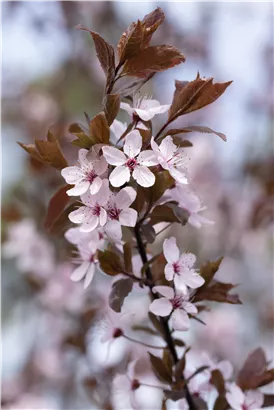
96, 210
131, 163
176, 267
91, 176
177, 302
114, 213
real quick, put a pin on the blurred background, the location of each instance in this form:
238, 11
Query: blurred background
50, 76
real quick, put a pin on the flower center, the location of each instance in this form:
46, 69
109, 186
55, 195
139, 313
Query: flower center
117, 333
176, 267
114, 213
135, 384
177, 302
96, 210
131, 163
91, 176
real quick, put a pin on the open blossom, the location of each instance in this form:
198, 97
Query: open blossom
93, 213
131, 161
87, 244
89, 173
125, 386
118, 207
175, 302
144, 108
171, 158
249, 400
179, 268
192, 203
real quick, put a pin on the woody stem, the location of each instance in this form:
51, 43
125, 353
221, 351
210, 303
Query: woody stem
168, 337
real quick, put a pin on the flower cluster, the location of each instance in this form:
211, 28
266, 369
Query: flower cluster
105, 168
130, 183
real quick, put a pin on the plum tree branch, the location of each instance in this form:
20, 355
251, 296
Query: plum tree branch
168, 336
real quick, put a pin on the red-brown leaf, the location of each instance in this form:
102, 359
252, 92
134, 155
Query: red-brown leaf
193, 95
130, 42
56, 205
105, 53
150, 24
153, 59
99, 129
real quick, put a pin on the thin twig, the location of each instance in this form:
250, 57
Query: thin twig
143, 344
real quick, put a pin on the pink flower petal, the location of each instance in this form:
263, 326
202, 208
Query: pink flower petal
119, 176
133, 144
79, 189
190, 308
192, 279
254, 399
90, 224
235, 397
143, 176
80, 215
169, 271
103, 194
147, 158
187, 259
103, 217
72, 175
95, 186
82, 156
80, 272
113, 231
179, 283
127, 108
128, 217
145, 115
114, 156
89, 275
125, 197
180, 320
161, 307
168, 148
171, 250
165, 291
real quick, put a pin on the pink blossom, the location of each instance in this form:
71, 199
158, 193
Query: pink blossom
131, 162
93, 213
250, 400
126, 384
144, 108
89, 173
118, 207
175, 303
87, 244
179, 268
191, 202
171, 158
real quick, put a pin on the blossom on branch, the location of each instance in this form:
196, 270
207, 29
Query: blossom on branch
118, 207
87, 244
175, 303
144, 108
179, 268
89, 173
250, 400
171, 158
131, 162
93, 213
192, 203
